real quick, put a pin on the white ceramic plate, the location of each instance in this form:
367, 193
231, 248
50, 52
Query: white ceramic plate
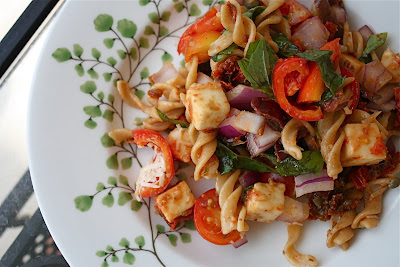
74, 103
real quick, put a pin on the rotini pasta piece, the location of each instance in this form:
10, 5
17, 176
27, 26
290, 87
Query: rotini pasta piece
271, 6
203, 156
263, 29
289, 137
341, 230
368, 217
223, 42
120, 135
232, 213
283, 27
352, 41
156, 125
290, 252
192, 71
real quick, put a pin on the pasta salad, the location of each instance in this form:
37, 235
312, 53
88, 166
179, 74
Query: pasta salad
290, 111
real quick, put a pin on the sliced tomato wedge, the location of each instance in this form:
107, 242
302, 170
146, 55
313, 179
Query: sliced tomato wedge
295, 12
207, 219
143, 137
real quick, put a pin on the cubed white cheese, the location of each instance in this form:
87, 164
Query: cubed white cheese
175, 201
207, 105
363, 145
265, 202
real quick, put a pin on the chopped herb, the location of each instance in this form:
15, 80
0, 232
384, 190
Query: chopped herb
165, 118
224, 53
254, 12
286, 48
374, 41
251, 3
365, 59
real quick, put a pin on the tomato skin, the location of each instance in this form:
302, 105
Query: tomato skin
209, 22
354, 88
295, 11
142, 137
200, 44
283, 68
207, 219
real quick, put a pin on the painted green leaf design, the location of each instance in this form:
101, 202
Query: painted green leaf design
79, 69
112, 162
144, 73
112, 180
189, 224
133, 53
101, 253
166, 57
181, 176
78, 50
154, 17
207, 2
83, 203
179, 7
160, 228
108, 115
124, 197
182, 63
108, 200
103, 22
114, 258
96, 53
172, 239
92, 111
139, 93
104, 264
194, 11
175, 1
112, 61
107, 141
136, 205
126, 163
88, 87
107, 76
100, 187
163, 31
186, 238
91, 124
221, 2
124, 242
109, 42
127, 28
100, 95
140, 241
109, 248
93, 74
62, 54
115, 82
144, 42
111, 98
165, 16
121, 54
143, 2
123, 180
129, 258
148, 30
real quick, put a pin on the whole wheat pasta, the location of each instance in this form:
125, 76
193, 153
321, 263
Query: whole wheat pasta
289, 137
203, 156
341, 231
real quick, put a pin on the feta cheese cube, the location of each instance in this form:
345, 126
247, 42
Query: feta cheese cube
363, 145
207, 105
175, 201
265, 202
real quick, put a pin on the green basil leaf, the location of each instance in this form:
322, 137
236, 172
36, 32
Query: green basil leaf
331, 79
223, 54
229, 160
254, 12
326, 96
286, 48
374, 41
165, 118
251, 3
366, 59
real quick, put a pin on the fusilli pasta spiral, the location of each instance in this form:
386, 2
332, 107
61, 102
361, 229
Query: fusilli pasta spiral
289, 137
341, 230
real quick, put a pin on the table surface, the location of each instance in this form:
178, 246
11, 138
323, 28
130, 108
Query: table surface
19, 207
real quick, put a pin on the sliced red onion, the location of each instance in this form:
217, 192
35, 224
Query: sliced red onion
311, 34
227, 130
240, 97
257, 144
373, 76
249, 178
294, 211
202, 78
249, 122
167, 72
388, 106
365, 32
240, 242
308, 183
384, 95
338, 14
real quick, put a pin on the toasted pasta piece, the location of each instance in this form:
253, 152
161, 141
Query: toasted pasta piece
263, 29
289, 137
223, 42
120, 135
368, 218
203, 155
192, 71
232, 213
341, 230
352, 41
290, 252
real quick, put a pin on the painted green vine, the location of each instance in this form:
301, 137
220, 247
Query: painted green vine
132, 48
